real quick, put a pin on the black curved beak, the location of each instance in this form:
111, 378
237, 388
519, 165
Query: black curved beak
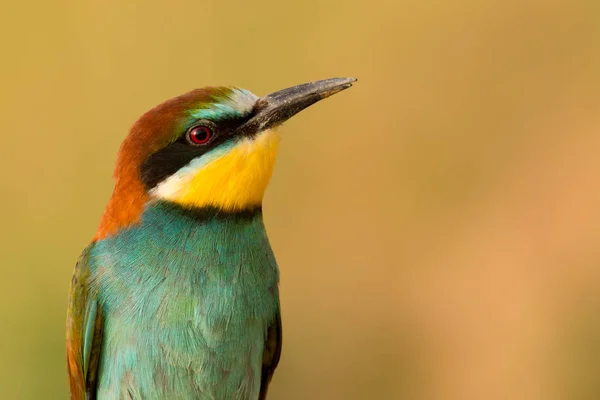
275, 108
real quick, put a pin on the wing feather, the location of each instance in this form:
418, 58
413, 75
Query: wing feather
271, 355
84, 333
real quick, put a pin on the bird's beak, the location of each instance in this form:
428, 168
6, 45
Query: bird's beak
277, 107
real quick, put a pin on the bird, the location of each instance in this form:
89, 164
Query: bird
177, 295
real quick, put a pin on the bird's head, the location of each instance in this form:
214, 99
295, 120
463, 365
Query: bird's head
212, 147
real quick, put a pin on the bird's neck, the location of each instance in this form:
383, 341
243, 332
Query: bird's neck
164, 214
232, 180
169, 226
125, 206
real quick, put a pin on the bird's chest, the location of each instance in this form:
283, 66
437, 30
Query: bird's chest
186, 309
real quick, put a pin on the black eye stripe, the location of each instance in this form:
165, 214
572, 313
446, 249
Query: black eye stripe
165, 162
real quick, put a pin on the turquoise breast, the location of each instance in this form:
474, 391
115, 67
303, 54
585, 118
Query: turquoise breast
186, 298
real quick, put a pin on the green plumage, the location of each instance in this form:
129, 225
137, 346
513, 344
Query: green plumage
188, 300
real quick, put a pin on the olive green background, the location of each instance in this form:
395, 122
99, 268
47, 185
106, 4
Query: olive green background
437, 225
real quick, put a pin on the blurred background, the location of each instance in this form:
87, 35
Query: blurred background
437, 226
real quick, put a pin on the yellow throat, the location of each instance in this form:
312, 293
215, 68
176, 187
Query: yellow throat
232, 179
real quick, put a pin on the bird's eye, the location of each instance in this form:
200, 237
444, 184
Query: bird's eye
199, 135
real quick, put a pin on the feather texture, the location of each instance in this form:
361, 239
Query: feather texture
187, 298
84, 332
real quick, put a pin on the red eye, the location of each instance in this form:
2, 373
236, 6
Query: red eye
199, 135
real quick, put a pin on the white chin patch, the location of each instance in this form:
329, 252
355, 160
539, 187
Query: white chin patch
170, 186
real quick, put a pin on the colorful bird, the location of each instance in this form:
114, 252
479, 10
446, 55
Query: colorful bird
177, 295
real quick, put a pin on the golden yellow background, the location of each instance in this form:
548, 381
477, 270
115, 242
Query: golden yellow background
437, 225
